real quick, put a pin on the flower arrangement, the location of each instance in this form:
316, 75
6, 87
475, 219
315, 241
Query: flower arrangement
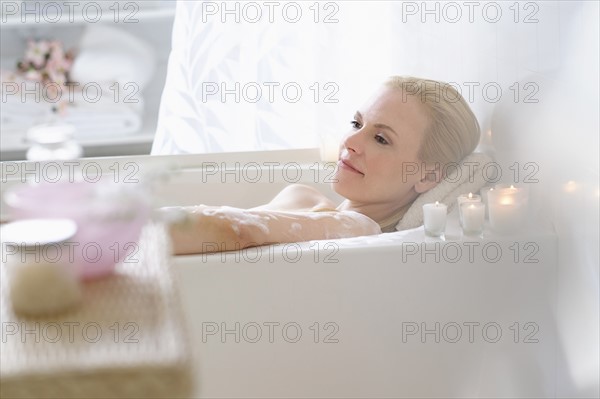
47, 62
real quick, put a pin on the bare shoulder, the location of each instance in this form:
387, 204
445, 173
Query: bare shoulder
299, 197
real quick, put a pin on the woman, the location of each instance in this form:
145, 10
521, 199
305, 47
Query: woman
399, 142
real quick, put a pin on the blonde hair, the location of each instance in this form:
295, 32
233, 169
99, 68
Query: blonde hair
453, 131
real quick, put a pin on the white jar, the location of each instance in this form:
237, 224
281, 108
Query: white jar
41, 277
52, 142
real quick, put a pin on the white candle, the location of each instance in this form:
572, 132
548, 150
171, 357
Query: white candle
507, 209
485, 192
434, 219
473, 217
466, 198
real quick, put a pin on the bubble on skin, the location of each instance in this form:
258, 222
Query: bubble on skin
241, 218
314, 216
261, 226
349, 221
296, 227
256, 221
352, 222
207, 212
346, 224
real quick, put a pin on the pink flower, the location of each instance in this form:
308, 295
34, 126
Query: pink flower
33, 74
55, 70
48, 63
36, 53
57, 53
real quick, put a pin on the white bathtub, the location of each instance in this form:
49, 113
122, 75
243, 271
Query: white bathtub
395, 315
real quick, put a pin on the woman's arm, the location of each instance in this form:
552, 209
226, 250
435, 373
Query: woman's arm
298, 197
210, 229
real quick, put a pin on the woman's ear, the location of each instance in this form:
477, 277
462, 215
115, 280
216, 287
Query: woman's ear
430, 178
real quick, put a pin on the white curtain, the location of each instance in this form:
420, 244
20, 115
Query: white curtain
337, 53
248, 76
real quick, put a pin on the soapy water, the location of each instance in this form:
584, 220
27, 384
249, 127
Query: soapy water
256, 221
238, 218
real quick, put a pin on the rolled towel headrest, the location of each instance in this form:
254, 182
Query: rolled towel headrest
466, 177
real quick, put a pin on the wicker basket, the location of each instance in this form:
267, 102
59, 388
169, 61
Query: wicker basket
126, 339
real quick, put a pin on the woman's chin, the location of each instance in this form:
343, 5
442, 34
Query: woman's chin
343, 188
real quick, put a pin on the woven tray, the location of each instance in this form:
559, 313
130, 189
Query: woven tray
126, 339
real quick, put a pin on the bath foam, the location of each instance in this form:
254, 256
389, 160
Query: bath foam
296, 228
285, 226
256, 222
352, 223
240, 217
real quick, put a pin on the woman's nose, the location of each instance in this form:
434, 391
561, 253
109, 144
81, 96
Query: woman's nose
353, 142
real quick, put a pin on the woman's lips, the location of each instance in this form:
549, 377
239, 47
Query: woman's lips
343, 164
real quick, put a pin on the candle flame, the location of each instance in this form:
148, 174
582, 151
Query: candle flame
570, 187
470, 195
437, 203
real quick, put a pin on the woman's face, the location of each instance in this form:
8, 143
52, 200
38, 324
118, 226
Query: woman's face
378, 157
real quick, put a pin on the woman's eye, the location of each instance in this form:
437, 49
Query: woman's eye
380, 139
355, 124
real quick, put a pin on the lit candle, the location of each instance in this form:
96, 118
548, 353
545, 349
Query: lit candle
466, 198
484, 195
507, 208
434, 219
473, 217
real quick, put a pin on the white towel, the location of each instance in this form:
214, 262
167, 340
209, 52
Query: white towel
109, 54
468, 177
103, 118
90, 120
